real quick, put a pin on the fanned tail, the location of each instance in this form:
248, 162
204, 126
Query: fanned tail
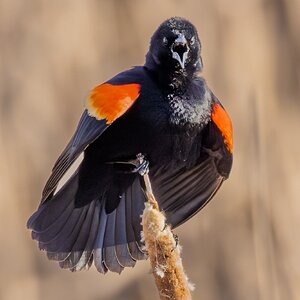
78, 236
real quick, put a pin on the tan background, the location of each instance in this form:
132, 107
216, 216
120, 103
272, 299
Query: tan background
245, 244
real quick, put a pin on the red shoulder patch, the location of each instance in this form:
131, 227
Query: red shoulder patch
110, 102
223, 122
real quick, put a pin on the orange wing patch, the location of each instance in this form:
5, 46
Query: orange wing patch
223, 122
110, 102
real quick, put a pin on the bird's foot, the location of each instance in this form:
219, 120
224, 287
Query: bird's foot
141, 165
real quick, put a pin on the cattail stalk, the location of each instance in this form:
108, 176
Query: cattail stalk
163, 251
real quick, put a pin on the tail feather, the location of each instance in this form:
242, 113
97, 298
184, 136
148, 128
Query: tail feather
121, 239
65, 239
109, 250
78, 236
85, 260
133, 245
80, 244
49, 233
98, 247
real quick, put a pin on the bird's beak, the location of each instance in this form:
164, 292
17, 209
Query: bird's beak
180, 50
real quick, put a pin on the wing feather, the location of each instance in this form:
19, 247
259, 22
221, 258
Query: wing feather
183, 193
87, 131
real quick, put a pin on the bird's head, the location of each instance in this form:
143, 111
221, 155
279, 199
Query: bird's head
175, 48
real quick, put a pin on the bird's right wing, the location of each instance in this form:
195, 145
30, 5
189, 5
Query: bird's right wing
107, 102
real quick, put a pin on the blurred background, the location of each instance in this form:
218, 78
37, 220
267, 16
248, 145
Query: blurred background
245, 244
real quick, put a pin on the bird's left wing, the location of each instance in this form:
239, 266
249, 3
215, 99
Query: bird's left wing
106, 103
182, 192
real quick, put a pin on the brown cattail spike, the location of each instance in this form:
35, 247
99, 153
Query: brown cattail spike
164, 251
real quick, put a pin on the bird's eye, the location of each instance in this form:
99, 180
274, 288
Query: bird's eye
192, 42
165, 41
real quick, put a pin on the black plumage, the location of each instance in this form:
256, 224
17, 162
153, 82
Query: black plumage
96, 215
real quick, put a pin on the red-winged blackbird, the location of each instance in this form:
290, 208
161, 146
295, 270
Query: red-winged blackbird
162, 110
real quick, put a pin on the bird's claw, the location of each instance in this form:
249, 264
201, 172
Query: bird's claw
176, 238
141, 165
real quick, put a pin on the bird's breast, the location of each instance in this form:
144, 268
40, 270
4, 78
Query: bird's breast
173, 132
187, 111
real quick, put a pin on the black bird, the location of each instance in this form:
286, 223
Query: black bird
162, 110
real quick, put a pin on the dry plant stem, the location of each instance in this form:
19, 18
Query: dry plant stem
164, 253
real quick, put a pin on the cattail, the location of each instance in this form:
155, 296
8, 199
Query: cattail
164, 251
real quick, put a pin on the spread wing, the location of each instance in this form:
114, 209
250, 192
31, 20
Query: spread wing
106, 103
182, 192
